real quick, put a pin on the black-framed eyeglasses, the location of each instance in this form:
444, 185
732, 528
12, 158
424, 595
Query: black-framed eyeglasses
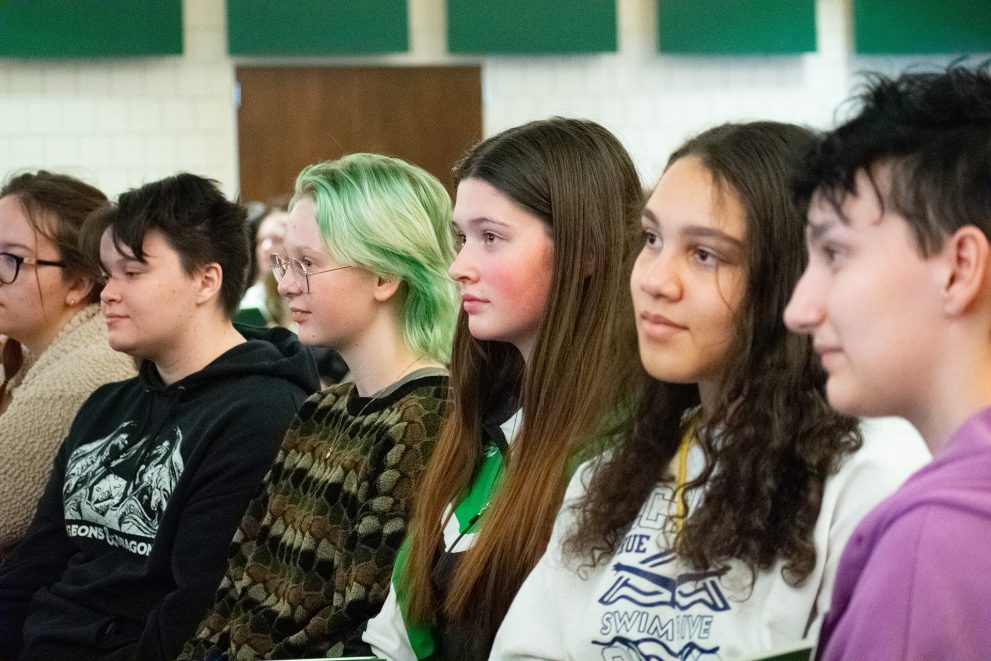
281, 266
10, 266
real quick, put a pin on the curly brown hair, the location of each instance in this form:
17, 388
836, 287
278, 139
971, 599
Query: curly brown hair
771, 440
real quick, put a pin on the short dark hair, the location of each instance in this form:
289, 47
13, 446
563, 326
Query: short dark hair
931, 132
200, 224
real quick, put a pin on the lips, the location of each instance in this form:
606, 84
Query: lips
298, 314
826, 354
657, 326
472, 304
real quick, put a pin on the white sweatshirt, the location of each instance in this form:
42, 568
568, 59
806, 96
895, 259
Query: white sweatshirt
643, 603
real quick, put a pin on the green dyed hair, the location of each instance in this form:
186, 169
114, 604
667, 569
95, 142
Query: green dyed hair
394, 219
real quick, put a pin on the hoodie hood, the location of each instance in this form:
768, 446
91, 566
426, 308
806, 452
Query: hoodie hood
274, 352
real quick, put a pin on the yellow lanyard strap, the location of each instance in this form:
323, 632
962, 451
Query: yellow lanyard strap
682, 477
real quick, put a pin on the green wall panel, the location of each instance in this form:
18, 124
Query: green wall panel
316, 27
528, 27
922, 26
736, 27
90, 28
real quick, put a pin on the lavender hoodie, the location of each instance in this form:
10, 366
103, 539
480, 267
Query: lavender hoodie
914, 582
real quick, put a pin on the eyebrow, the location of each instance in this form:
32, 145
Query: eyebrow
698, 231
121, 261
15, 245
479, 220
814, 230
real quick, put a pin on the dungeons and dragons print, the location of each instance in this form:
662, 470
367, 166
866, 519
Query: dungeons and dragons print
116, 488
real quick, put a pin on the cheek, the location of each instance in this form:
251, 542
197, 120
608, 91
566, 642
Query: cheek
526, 285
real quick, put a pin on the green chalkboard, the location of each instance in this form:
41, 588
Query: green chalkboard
922, 26
90, 28
736, 27
528, 27
316, 27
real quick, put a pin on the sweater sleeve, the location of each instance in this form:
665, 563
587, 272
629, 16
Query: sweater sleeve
224, 481
37, 562
918, 596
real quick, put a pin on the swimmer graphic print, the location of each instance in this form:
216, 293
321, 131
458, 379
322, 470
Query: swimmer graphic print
116, 488
655, 609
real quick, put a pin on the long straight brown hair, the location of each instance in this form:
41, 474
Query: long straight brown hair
576, 177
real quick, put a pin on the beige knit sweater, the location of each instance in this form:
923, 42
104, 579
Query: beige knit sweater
45, 396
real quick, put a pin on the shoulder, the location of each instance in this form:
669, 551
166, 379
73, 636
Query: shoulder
892, 451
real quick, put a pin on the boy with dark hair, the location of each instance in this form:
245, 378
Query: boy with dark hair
132, 533
897, 295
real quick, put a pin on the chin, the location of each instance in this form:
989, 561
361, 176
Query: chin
846, 400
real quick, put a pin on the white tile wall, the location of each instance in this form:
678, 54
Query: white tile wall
120, 123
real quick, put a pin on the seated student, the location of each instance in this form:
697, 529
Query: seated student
57, 352
132, 532
539, 370
261, 304
367, 249
897, 297
713, 528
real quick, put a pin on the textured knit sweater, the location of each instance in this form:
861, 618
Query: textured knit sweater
312, 558
45, 394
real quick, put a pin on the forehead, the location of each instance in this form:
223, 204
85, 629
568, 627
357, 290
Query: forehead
274, 224
15, 226
302, 230
154, 246
689, 196
479, 200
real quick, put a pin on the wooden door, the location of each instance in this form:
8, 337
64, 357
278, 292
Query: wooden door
291, 117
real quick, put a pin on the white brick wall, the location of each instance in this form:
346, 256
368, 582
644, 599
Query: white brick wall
120, 123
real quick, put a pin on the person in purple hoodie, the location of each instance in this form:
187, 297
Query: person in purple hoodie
897, 297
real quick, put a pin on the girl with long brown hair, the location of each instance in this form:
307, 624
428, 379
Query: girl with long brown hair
712, 529
539, 373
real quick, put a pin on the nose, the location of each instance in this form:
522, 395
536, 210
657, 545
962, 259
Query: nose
805, 310
109, 292
462, 268
657, 275
288, 285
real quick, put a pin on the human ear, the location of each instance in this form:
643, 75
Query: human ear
967, 252
386, 288
79, 290
209, 279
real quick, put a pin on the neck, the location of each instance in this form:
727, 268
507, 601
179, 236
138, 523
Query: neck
708, 391
41, 341
200, 344
380, 357
960, 387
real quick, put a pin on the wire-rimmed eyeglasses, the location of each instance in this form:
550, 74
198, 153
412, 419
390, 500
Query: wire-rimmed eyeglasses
10, 265
282, 265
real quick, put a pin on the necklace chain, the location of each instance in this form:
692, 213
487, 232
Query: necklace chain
371, 399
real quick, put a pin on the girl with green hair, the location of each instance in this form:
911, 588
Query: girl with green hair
367, 249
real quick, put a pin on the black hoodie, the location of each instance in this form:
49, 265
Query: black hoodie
131, 536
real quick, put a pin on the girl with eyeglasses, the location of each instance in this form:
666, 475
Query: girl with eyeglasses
367, 248
56, 353
539, 374
713, 528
